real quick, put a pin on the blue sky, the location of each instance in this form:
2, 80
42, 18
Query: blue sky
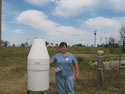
73, 21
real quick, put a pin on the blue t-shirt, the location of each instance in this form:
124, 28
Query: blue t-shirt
65, 63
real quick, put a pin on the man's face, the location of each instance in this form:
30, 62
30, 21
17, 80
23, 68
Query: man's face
63, 49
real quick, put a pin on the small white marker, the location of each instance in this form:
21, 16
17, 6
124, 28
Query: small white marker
67, 59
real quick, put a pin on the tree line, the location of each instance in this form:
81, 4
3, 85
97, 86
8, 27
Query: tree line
7, 44
111, 43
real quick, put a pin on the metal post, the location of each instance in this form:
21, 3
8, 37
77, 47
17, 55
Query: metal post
100, 74
120, 57
119, 67
120, 54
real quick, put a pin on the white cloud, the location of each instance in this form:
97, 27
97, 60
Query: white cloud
69, 30
102, 23
66, 8
118, 5
38, 20
18, 31
66, 33
106, 27
39, 2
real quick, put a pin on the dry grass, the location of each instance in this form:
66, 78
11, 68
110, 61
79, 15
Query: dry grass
12, 83
13, 74
15, 84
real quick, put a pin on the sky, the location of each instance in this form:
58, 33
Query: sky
72, 21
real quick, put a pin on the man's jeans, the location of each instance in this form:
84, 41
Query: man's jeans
65, 83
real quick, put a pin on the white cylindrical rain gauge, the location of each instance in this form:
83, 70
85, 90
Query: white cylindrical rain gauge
38, 66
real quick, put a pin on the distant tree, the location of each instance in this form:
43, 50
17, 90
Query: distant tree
111, 40
51, 44
115, 45
105, 45
122, 32
26, 44
5, 43
22, 45
92, 45
13, 45
98, 45
111, 44
56, 44
78, 45
2, 42
101, 45
68, 46
122, 36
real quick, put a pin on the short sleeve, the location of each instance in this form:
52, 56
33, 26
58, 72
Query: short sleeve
54, 58
74, 60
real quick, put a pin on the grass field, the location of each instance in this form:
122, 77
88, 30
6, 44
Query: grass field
13, 72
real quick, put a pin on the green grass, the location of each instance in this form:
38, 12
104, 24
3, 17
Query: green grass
13, 71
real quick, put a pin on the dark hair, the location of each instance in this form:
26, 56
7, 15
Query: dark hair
62, 44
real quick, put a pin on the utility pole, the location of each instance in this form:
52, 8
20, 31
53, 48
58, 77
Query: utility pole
95, 38
0, 26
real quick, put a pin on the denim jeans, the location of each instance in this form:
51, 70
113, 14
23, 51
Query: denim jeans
65, 83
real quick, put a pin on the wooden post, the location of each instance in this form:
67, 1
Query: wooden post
0, 26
